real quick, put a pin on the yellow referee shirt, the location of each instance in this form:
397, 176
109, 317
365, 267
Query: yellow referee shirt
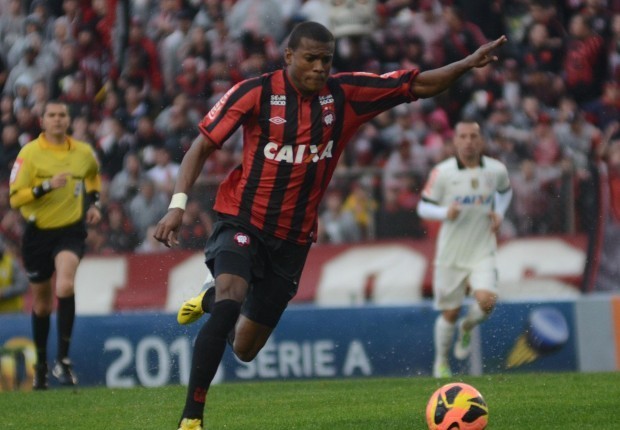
40, 160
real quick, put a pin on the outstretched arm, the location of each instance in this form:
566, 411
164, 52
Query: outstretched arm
191, 167
432, 82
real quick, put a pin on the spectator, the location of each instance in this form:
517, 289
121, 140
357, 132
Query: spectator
11, 25
532, 198
337, 225
9, 150
31, 67
262, 18
584, 62
133, 107
542, 60
13, 281
397, 217
430, 27
462, 38
126, 183
112, 147
170, 49
362, 205
193, 81
164, 172
147, 140
195, 227
146, 208
139, 41
119, 233
408, 159
605, 110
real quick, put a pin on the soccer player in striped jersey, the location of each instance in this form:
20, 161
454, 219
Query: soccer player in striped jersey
469, 193
296, 123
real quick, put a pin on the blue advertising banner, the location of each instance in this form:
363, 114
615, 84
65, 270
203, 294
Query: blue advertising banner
151, 349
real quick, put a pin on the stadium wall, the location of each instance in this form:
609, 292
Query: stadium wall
151, 349
381, 273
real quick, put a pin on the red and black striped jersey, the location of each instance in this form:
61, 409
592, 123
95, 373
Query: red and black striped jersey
292, 143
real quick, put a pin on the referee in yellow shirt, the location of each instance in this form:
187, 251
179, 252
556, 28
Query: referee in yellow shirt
55, 183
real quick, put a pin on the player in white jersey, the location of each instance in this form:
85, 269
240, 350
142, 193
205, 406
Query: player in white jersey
469, 193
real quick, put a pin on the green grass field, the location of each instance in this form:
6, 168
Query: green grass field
516, 401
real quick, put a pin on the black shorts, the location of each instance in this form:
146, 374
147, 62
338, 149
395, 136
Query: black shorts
40, 247
272, 267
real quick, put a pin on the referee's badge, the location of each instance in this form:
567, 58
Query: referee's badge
474, 183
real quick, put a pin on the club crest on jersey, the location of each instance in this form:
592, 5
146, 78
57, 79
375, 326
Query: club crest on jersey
242, 239
474, 183
328, 118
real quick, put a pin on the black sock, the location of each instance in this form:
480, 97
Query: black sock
40, 332
208, 299
66, 316
208, 351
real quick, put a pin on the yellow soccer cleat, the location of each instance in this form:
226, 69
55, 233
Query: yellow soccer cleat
191, 310
462, 347
441, 370
190, 424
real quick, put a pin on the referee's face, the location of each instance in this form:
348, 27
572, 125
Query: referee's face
55, 121
309, 65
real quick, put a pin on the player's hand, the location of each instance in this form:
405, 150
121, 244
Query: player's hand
483, 55
59, 180
496, 221
453, 211
168, 227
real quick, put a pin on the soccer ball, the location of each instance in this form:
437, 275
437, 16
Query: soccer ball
457, 406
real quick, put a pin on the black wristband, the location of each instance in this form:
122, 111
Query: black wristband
41, 190
93, 199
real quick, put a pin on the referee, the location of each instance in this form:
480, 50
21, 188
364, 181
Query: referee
55, 183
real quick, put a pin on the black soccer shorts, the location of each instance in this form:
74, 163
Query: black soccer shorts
40, 247
271, 266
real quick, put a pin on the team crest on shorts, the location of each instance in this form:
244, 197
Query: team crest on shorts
242, 239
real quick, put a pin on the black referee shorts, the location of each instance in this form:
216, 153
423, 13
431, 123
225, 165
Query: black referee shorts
40, 247
272, 267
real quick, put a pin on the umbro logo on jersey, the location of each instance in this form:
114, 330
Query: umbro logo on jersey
277, 120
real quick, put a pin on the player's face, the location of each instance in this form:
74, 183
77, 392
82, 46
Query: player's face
309, 65
56, 119
468, 142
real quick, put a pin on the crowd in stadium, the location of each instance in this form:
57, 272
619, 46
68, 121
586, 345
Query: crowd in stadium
138, 76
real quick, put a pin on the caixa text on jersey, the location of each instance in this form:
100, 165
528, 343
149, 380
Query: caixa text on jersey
297, 154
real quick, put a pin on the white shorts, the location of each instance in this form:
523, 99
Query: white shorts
450, 283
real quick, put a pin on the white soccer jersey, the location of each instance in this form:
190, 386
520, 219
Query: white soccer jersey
466, 240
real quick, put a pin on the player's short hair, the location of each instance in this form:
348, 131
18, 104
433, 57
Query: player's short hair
52, 102
310, 30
